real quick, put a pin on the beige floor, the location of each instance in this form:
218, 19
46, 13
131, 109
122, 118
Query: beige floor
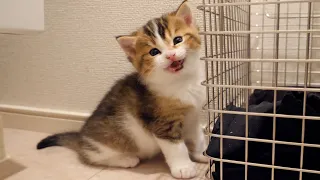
58, 163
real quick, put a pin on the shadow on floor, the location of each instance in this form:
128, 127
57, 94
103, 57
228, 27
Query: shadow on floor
9, 167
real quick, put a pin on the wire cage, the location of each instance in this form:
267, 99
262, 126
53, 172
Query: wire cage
265, 45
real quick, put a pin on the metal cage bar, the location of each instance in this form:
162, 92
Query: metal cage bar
262, 44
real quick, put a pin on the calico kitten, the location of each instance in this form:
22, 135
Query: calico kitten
152, 110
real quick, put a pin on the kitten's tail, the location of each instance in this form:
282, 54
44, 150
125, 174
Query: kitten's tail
69, 139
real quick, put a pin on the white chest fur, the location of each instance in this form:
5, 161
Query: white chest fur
189, 91
193, 94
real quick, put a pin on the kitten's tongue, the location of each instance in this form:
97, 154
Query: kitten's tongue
175, 66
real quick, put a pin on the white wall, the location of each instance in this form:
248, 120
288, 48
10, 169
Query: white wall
71, 65
19, 16
2, 149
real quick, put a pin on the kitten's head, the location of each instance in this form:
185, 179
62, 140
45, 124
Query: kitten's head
166, 48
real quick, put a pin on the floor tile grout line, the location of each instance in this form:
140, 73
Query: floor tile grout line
96, 173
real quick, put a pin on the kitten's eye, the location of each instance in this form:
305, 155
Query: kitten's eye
154, 52
177, 40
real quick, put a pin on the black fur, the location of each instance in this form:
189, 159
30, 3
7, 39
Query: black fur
48, 142
66, 139
161, 28
162, 25
149, 29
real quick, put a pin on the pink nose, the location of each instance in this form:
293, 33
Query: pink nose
171, 56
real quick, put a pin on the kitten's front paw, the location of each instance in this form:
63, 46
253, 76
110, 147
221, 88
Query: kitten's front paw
199, 157
131, 162
184, 171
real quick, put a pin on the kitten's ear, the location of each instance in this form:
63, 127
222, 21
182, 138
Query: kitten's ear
128, 44
184, 12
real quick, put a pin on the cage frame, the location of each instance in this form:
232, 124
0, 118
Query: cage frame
227, 51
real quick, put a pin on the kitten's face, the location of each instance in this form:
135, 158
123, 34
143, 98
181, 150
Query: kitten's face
165, 48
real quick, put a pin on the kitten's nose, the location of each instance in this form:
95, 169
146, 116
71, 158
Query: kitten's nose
171, 56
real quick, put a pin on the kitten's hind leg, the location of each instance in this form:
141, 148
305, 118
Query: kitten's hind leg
122, 160
104, 156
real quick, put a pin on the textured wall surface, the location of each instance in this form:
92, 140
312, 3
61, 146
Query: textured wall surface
72, 64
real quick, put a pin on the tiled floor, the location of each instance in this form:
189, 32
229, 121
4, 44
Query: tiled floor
58, 163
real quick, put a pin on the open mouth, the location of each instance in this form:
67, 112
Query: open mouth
175, 66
